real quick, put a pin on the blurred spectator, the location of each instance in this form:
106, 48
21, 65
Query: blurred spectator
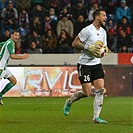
111, 7
38, 11
9, 16
125, 25
18, 49
86, 3
64, 43
23, 4
49, 42
79, 9
123, 11
65, 24
33, 49
24, 19
52, 15
66, 12
37, 39
101, 3
36, 2
5, 36
111, 10
90, 14
53, 4
37, 26
128, 2
112, 40
6, 2
79, 25
65, 4
48, 24
24, 38
53, 19
111, 24
124, 42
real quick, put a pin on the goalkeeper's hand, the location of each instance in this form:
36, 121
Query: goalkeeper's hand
94, 49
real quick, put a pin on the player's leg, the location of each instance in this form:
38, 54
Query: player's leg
12, 82
98, 101
80, 94
76, 96
84, 77
1, 102
7, 75
99, 90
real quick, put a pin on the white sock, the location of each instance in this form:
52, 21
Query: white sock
98, 101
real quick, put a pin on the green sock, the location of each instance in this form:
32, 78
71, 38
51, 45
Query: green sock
7, 88
0, 95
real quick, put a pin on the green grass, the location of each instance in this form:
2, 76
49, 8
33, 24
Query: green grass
44, 115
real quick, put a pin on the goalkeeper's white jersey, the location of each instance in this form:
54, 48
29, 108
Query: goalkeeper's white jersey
89, 35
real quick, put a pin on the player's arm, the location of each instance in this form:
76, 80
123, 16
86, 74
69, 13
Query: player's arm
11, 50
19, 57
78, 44
94, 49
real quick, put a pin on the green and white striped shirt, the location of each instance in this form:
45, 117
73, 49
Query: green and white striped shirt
7, 48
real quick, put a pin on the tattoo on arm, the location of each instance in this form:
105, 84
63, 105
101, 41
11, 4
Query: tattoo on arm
78, 44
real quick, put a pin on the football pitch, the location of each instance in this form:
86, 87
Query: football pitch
45, 115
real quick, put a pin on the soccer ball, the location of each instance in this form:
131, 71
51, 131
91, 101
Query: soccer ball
102, 52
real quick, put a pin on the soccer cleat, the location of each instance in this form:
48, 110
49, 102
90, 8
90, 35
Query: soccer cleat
66, 108
100, 121
1, 101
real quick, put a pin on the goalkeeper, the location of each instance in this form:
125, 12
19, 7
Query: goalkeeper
90, 40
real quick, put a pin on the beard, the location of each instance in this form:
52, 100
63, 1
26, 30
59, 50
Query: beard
101, 23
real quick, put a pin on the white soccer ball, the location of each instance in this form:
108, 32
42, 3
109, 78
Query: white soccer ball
101, 51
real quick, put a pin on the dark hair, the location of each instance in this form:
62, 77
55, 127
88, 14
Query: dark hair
13, 31
6, 29
97, 12
52, 33
67, 35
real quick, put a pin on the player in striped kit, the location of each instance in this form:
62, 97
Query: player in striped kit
8, 51
89, 65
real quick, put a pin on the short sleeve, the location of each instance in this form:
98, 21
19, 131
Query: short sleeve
11, 48
84, 34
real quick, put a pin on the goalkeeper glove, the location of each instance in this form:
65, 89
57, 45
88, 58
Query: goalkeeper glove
94, 49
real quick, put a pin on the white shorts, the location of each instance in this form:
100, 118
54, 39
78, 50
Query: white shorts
6, 74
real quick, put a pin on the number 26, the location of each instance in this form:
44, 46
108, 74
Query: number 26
86, 78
